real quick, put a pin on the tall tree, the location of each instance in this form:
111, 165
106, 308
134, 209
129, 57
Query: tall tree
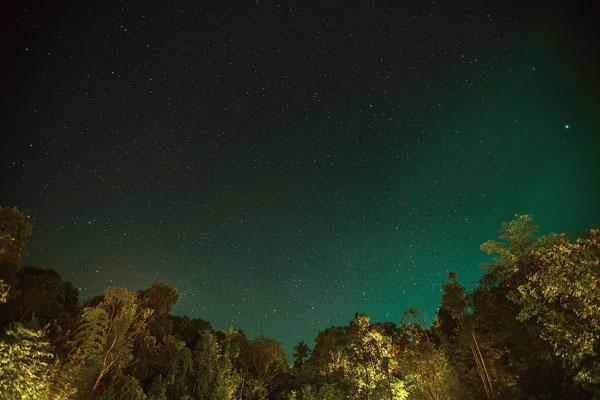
456, 301
328, 358
25, 357
14, 230
300, 354
105, 337
562, 295
264, 367
41, 292
421, 362
169, 371
517, 240
159, 297
369, 359
189, 330
215, 377
540, 277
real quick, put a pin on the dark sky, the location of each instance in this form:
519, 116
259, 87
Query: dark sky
286, 165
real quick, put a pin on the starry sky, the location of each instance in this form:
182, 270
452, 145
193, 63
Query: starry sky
284, 165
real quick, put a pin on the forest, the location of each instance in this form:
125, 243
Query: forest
529, 329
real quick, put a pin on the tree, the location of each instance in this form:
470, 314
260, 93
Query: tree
14, 230
4, 288
323, 392
172, 368
25, 357
41, 292
354, 362
105, 337
264, 367
549, 282
189, 330
562, 295
517, 241
455, 301
229, 343
215, 378
329, 358
159, 297
300, 354
369, 359
421, 363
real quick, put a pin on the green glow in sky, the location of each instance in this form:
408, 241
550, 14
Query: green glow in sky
284, 167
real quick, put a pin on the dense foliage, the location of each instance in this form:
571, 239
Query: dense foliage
530, 329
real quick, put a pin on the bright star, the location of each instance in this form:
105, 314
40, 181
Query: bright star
566, 126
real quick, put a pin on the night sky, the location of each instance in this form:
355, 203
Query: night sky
286, 165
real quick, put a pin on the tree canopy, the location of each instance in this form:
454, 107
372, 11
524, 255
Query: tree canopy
529, 329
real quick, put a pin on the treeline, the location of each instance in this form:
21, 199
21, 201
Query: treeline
530, 329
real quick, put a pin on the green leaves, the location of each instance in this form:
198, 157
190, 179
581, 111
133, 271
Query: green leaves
563, 296
529, 329
300, 354
215, 377
516, 241
90, 340
25, 356
14, 230
4, 288
264, 365
105, 337
554, 285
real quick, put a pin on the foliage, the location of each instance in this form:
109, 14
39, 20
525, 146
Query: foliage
25, 357
14, 230
189, 330
264, 364
173, 367
529, 329
311, 392
103, 343
4, 289
420, 361
42, 292
215, 377
159, 297
369, 359
563, 296
300, 354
